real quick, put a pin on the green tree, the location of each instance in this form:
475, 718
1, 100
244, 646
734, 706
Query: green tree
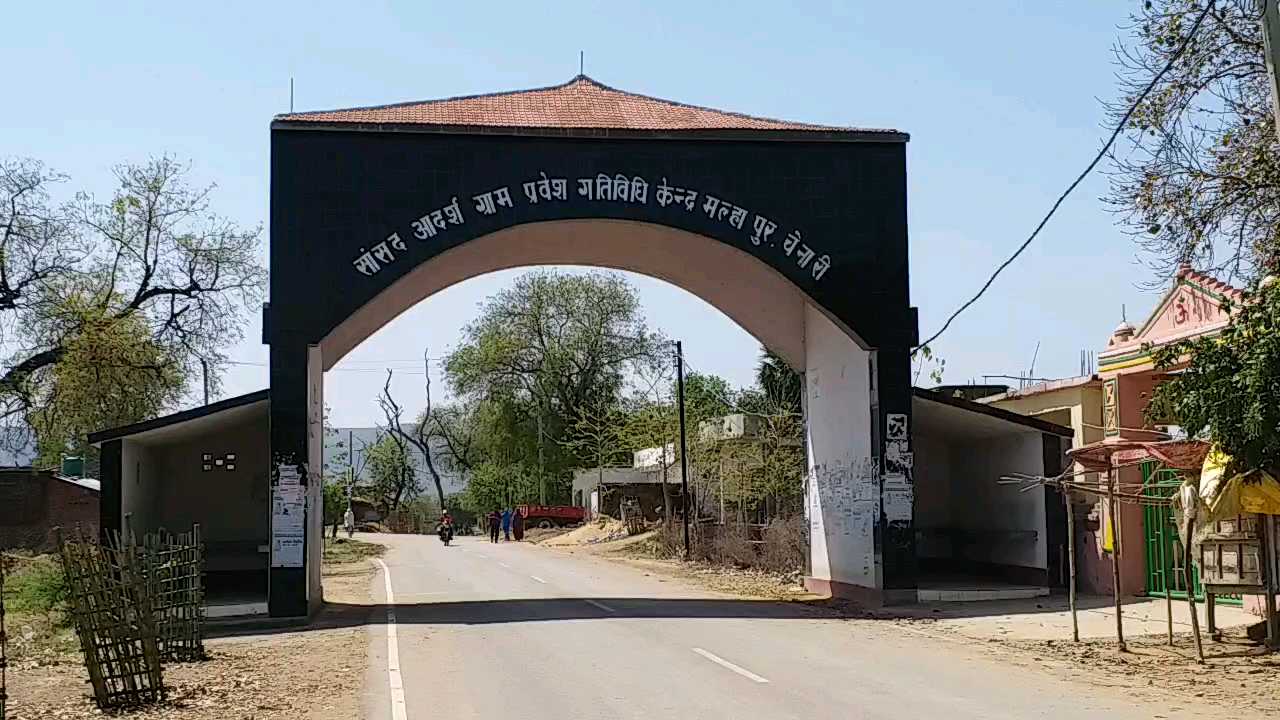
111, 372
154, 258
1200, 180
599, 436
549, 344
495, 485
391, 475
781, 385
1228, 391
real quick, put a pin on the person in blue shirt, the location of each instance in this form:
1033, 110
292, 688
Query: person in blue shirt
506, 524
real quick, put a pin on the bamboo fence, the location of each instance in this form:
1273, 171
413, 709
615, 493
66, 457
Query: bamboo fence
174, 570
111, 607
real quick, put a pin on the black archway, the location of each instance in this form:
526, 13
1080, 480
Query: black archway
360, 200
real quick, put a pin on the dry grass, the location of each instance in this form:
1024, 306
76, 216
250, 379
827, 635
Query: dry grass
303, 674
344, 551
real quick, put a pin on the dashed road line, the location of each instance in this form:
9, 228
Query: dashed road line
599, 605
726, 664
394, 681
535, 577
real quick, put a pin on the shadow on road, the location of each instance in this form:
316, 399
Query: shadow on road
488, 612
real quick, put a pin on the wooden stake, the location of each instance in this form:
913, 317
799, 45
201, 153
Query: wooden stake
1168, 612
1186, 575
1071, 564
1114, 510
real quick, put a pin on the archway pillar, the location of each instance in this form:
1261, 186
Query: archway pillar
858, 493
296, 418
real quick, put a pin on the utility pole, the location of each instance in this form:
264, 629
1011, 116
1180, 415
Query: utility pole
1271, 48
684, 450
204, 370
542, 471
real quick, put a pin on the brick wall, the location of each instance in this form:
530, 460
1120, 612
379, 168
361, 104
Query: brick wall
36, 502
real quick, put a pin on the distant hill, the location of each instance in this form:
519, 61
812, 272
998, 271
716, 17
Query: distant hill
359, 437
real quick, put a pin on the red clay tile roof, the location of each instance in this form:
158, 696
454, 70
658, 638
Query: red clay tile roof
1208, 282
581, 103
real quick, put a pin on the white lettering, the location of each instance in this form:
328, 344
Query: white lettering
503, 197
366, 264
664, 196
793, 239
764, 227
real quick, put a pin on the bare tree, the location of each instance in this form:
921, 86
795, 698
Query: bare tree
455, 425
1200, 179
419, 436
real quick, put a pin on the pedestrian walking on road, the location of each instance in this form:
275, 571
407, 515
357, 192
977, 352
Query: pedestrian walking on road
506, 525
517, 525
495, 521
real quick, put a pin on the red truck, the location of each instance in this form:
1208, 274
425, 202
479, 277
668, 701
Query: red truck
548, 516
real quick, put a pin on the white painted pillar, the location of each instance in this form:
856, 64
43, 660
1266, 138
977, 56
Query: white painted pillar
315, 474
843, 489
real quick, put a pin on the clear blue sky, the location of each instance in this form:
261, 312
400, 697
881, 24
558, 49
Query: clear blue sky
1000, 98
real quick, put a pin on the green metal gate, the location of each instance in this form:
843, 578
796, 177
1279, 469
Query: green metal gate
1165, 558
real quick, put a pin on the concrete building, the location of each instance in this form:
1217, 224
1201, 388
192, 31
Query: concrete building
208, 465
1075, 403
1113, 404
35, 502
976, 538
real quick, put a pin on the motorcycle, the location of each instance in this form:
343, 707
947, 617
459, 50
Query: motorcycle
445, 533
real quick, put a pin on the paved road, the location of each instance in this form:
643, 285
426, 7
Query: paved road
512, 630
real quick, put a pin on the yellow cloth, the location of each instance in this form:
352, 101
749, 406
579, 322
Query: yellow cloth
1256, 491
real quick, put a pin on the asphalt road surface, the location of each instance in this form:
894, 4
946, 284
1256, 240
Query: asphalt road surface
518, 631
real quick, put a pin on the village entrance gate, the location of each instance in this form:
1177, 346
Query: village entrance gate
798, 232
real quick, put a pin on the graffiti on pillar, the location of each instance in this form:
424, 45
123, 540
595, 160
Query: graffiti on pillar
896, 427
897, 491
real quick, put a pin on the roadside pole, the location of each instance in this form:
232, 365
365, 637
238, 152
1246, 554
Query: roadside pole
1271, 48
684, 454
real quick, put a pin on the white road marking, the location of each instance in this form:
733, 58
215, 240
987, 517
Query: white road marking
482, 555
725, 663
535, 577
394, 681
600, 605
504, 565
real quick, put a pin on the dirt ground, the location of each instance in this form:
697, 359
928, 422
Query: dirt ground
637, 551
596, 531
312, 674
1237, 673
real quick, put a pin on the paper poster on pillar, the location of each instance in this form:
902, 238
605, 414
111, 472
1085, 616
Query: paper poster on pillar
286, 552
288, 519
898, 497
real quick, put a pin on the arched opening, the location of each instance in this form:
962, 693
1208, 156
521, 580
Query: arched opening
841, 497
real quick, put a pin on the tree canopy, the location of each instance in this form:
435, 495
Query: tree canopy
1229, 389
1200, 180
129, 296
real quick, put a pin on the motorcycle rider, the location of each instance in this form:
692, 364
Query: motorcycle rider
445, 528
